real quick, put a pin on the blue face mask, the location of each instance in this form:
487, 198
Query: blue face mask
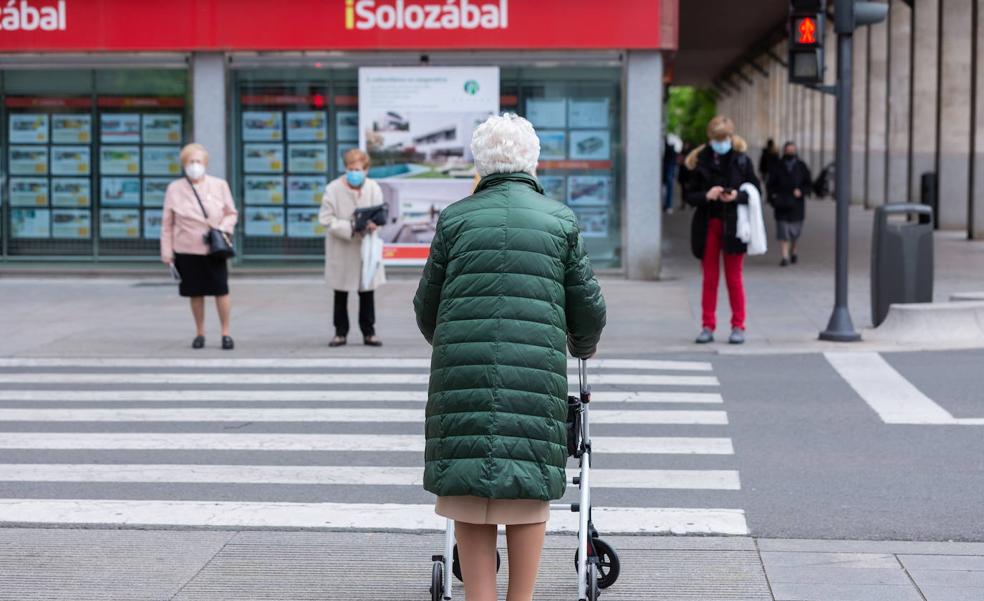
721, 146
355, 177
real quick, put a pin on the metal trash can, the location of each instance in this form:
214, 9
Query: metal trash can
901, 258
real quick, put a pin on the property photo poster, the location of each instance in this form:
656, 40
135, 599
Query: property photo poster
303, 223
154, 189
593, 221
554, 186
585, 190
264, 190
264, 221
71, 223
119, 160
28, 160
553, 144
162, 160
591, 145
152, 224
263, 158
416, 123
71, 129
119, 223
28, 128
120, 191
70, 191
119, 128
161, 128
307, 126
30, 223
71, 160
28, 191
307, 158
263, 126
306, 189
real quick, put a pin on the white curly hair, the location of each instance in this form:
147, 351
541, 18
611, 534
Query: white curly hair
505, 144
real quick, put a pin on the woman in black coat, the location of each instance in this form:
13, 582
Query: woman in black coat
788, 185
717, 171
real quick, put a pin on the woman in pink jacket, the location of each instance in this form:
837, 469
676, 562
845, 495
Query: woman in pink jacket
183, 231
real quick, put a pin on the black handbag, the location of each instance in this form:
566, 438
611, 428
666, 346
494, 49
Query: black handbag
377, 214
219, 243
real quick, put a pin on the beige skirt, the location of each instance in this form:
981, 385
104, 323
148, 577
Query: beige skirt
478, 510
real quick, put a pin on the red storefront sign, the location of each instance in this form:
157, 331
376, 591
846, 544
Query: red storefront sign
228, 25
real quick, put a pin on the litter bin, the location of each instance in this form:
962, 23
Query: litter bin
901, 257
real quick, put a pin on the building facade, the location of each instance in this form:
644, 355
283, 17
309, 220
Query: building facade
96, 97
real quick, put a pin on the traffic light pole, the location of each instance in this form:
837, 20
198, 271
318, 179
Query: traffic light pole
840, 328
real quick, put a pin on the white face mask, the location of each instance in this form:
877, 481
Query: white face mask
195, 170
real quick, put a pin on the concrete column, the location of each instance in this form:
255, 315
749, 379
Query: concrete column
955, 115
642, 218
977, 226
897, 155
924, 93
859, 116
209, 108
877, 105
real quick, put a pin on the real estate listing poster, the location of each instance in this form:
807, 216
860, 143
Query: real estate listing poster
161, 160
264, 190
584, 190
119, 128
161, 128
28, 128
119, 223
590, 145
553, 144
28, 191
303, 223
30, 223
547, 112
554, 186
347, 126
71, 223
307, 126
152, 224
264, 221
120, 191
306, 189
307, 158
588, 112
416, 123
263, 158
593, 221
71, 160
70, 191
71, 129
154, 190
119, 160
28, 160
263, 126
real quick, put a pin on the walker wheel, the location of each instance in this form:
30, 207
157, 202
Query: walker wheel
609, 565
437, 581
456, 565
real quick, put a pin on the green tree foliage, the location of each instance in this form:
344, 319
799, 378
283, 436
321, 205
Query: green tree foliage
687, 112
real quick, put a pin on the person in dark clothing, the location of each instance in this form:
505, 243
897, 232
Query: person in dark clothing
770, 156
669, 174
788, 185
717, 170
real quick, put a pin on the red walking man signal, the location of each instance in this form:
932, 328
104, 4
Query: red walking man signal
807, 31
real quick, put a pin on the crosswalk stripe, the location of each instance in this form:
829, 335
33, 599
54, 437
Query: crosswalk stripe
294, 378
315, 396
327, 363
616, 520
331, 475
372, 415
147, 441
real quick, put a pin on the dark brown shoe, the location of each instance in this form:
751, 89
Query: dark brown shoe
337, 341
372, 341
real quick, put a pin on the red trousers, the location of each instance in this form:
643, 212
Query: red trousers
732, 274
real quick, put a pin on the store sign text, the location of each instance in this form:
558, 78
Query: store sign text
406, 14
23, 16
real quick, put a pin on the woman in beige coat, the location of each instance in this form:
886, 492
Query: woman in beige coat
343, 246
183, 229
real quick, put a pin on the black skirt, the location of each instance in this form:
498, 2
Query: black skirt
202, 275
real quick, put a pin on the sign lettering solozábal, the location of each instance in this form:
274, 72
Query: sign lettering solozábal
406, 14
22, 16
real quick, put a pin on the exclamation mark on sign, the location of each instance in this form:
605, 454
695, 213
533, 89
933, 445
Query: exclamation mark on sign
349, 14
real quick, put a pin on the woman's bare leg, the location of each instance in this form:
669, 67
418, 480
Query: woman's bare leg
476, 554
198, 312
525, 542
224, 305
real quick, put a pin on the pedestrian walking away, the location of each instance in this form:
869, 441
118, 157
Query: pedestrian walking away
194, 205
788, 186
718, 172
506, 292
345, 262
768, 159
671, 150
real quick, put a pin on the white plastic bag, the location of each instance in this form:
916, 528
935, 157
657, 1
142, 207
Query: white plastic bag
751, 224
372, 258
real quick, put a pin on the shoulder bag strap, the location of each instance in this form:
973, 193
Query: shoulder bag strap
197, 197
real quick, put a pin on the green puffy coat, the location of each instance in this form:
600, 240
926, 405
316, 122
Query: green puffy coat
507, 290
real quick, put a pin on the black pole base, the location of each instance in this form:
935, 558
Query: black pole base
840, 328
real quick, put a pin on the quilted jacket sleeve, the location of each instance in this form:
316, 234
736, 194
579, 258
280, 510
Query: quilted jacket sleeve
428, 297
584, 304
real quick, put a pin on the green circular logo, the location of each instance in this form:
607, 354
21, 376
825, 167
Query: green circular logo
471, 87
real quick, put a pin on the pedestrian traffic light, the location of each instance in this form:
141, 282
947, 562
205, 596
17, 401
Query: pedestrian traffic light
806, 34
849, 14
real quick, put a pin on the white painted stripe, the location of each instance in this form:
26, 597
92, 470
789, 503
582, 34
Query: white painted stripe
889, 394
295, 378
315, 396
372, 415
331, 475
616, 520
324, 363
148, 441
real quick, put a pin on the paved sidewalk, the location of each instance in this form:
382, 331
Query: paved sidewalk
158, 565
